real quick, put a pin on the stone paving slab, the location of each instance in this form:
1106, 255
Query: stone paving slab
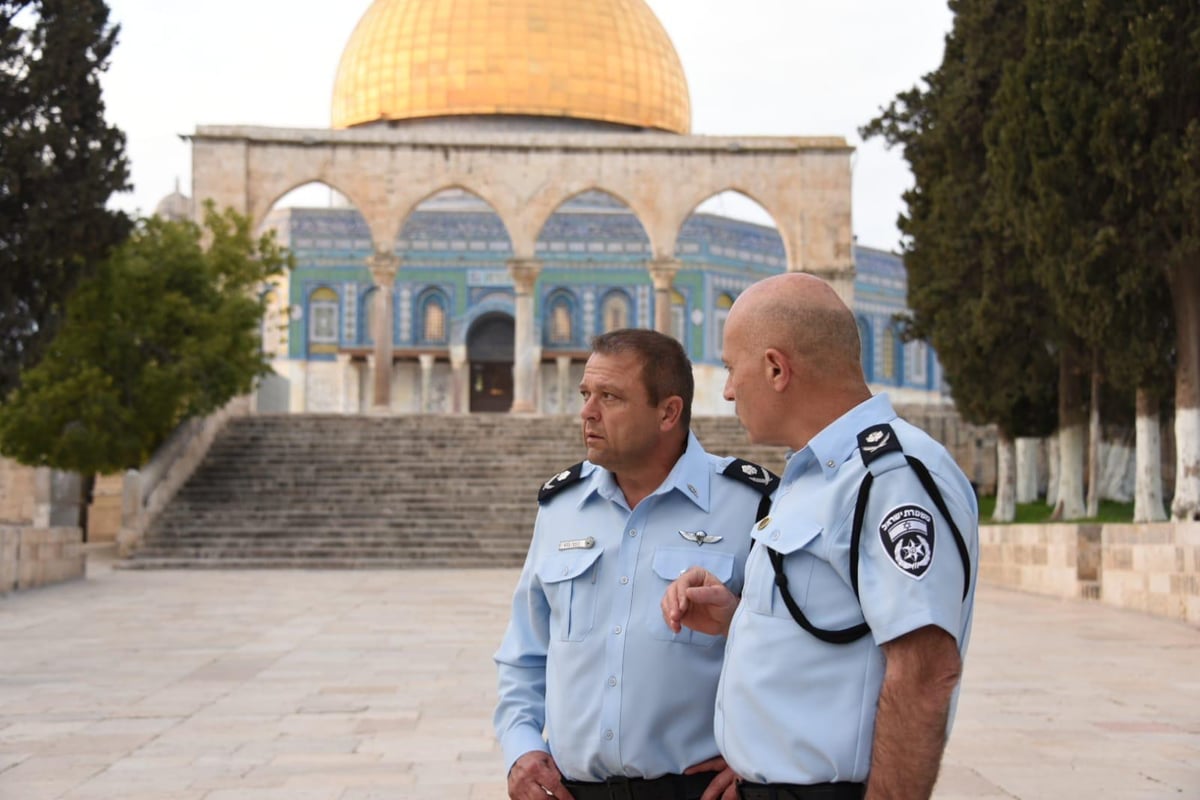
323, 685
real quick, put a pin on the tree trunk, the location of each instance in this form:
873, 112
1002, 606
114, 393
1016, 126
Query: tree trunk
1093, 462
1072, 421
1185, 291
1147, 495
1052, 460
1027, 469
87, 485
1116, 470
1006, 507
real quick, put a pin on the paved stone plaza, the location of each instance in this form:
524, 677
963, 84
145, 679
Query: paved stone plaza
373, 685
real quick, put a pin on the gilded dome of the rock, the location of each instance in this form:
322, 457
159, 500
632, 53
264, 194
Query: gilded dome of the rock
602, 60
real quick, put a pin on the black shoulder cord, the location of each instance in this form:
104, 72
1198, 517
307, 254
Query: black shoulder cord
853, 634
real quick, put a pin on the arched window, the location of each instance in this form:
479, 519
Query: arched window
916, 355
323, 321
368, 314
614, 311
678, 315
720, 313
889, 354
433, 318
560, 329
867, 346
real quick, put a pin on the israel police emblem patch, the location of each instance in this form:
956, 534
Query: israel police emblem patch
907, 536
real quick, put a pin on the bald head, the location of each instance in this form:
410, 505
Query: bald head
801, 316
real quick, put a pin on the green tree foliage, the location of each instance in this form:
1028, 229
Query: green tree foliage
165, 330
1058, 147
970, 289
59, 164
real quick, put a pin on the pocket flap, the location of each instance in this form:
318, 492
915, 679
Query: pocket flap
670, 562
567, 564
786, 537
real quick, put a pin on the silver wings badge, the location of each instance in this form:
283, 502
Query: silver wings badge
700, 537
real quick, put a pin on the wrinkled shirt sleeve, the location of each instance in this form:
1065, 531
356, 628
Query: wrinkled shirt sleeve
521, 666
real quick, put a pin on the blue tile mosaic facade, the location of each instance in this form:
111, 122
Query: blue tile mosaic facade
594, 252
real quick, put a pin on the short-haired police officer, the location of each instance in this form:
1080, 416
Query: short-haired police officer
625, 703
845, 648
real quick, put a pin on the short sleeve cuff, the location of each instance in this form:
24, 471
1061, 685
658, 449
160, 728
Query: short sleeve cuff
895, 628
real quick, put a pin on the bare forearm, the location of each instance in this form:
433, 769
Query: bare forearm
910, 724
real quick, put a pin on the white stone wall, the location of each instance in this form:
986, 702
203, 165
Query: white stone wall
31, 557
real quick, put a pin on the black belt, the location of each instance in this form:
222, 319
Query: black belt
792, 791
668, 787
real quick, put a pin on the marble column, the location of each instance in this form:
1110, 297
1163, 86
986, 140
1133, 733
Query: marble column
426, 360
662, 272
383, 268
564, 382
348, 402
524, 272
460, 392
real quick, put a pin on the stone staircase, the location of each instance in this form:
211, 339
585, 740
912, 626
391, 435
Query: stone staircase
313, 491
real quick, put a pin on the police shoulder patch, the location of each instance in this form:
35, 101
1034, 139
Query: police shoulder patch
876, 441
759, 478
559, 482
907, 536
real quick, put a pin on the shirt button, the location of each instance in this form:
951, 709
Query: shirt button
612, 680
829, 463
633, 531
617, 630
608, 735
774, 535
624, 579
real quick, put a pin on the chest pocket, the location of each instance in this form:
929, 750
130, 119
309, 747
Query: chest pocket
569, 581
788, 538
669, 563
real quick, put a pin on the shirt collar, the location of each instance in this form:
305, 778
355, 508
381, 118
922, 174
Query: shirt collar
838, 441
690, 477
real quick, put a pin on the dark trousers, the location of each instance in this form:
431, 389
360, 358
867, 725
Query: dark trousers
668, 787
791, 791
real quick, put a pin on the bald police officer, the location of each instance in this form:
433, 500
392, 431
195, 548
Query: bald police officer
845, 648
624, 702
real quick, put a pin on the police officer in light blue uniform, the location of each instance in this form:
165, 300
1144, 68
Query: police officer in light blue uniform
845, 650
625, 703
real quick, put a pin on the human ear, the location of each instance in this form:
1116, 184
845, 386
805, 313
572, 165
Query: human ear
777, 368
670, 411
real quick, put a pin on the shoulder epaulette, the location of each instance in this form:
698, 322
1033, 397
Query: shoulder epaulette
876, 442
760, 479
560, 481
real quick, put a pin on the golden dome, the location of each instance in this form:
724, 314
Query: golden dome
606, 60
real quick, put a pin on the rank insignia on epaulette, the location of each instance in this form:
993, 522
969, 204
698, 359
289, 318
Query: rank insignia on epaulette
560, 482
876, 441
762, 479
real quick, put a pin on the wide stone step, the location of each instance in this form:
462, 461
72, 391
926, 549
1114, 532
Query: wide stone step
342, 492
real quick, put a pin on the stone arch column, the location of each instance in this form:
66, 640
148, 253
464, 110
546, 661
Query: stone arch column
383, 268
524, 272
662, 272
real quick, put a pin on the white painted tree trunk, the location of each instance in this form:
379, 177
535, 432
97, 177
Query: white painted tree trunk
1006, 478
1027, 468
1186, 504
1148, 495
1116, 471
1052, 457
1069, 503
1093, 451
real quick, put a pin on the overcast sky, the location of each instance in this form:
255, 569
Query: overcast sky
754, 67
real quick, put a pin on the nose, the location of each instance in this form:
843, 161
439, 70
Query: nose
588, 411
727, 393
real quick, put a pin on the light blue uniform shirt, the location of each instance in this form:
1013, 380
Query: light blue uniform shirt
587, 654
792, 708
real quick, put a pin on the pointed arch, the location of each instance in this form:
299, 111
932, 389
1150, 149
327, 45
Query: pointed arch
741, 207
560, 324
475, 228
554, 226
